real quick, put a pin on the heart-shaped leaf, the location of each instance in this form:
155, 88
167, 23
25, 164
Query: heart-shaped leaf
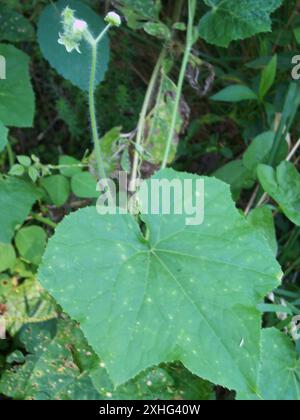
187, 293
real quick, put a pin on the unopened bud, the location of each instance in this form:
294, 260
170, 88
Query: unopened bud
79, 26
113, 18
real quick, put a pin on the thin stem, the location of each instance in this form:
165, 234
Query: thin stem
44, 220
290, 244
95, 134
10, 153
262, 200
142, 120
292, 267
293, 151
188, 48
177, 11
252, 200
286, 121
103, 33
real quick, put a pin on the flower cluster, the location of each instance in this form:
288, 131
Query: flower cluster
74, 30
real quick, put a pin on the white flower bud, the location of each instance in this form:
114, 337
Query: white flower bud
113, 18
79, 26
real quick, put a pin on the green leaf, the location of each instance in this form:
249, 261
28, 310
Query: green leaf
31, 243
16, 357
58, 189
297, 35
16, 200
236, 175
283, 185
137, 12
7, 257
159, 30
271, 308
33, 173
142, 302
60, 365
259, 151
159, 123
125, 161
166, 382
268, 77
24, 160
14, 27
27, 300
262, 219
109, 146
17, 98
50, 371
235, 93
73, 164
279, 375
231, 20
84, 185
17, 170
3, 137
72, 66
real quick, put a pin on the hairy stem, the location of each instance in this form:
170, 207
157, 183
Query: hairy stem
92, 108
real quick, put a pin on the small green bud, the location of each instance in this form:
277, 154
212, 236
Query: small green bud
68, 16
113, 18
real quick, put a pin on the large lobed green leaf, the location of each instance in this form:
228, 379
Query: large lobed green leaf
189, 293
17, 103
230, 20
